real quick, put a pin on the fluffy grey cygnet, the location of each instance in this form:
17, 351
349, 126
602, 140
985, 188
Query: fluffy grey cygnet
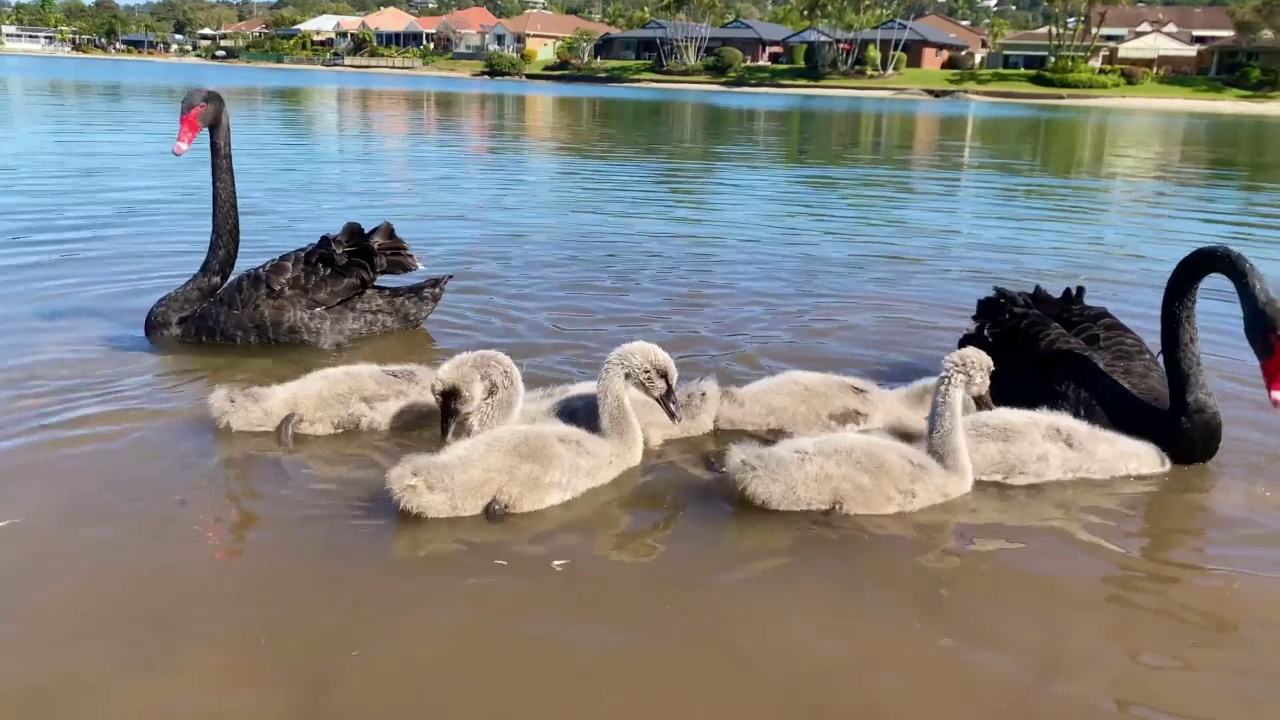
859, 473
363, 396
801, 402
523, 468
486, 391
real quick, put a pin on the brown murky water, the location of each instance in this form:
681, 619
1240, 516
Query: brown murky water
151, 566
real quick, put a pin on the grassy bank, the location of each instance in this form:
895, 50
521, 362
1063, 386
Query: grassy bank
972, 81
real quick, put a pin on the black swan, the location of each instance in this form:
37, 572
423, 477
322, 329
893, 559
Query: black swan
1059, 353
322, 294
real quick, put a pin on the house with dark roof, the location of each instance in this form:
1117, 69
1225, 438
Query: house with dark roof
759, 41
926, 47
1226, 55
975, 37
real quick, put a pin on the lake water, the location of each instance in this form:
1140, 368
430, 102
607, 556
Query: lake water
154, 567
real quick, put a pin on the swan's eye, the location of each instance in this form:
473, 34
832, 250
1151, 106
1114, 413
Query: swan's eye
202, 106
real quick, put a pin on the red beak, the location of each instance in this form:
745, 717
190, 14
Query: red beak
1271, 375
188, 129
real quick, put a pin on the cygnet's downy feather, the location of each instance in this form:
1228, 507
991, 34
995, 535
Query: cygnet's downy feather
801, 402
861, 473
523, 468
488, 391
331, 400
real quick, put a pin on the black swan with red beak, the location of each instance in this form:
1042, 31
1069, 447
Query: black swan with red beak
322, 294
1059, 353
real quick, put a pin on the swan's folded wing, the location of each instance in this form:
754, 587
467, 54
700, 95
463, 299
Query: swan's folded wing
336, 268
1113, 346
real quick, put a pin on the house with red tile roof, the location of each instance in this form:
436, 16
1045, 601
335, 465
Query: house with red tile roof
394, 27
541, 31
253, 27
465, 32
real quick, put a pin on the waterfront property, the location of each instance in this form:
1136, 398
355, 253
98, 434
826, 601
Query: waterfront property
974, 37
152, 41
1226, 55
30, 39
332, 30
1154, 37
541, 31
393, 27
759, 41
464, 32
925, 46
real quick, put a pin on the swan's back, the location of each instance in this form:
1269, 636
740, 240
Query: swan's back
577, 404
345, 397
522, 467
1023, 447
852, 472
798, 401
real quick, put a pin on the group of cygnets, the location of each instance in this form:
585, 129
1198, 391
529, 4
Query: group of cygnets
850, 445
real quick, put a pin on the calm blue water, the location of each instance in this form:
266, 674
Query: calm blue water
745, 232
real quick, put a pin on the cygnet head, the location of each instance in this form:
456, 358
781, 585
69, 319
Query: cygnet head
470, 385
972, 367
651, 370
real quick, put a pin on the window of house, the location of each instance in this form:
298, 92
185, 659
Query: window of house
937, 52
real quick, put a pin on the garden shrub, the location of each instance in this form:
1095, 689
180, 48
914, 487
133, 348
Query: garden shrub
1136, 74
529, 56
872, 57
502, 64
899, 61
796, 54
819, 56
726, 60
1077, 80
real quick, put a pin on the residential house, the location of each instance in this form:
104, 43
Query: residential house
540, 30
925, 46
152, 41
393, 27
759, 41
29, 39
1156, 37
1201, 25
974, 37
1029, 50
325, 29
464, 33
1226, 55
235, 34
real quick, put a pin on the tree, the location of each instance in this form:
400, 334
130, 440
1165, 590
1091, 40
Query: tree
581, 46
285, 18
1072, 40
1257, 18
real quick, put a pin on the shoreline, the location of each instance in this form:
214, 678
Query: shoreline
1223, 106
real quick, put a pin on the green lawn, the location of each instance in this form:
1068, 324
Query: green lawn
966, 80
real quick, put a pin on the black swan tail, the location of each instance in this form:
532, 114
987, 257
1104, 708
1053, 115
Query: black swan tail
398, 308
393, 254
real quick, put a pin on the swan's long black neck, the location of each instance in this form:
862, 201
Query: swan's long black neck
165, 317
1195, 422
224, 241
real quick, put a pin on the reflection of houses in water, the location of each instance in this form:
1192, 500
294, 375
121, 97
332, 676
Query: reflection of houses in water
539, 116
924, 139
1141, 147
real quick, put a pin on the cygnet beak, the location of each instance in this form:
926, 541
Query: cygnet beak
448, 421
983, 402
670, 404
